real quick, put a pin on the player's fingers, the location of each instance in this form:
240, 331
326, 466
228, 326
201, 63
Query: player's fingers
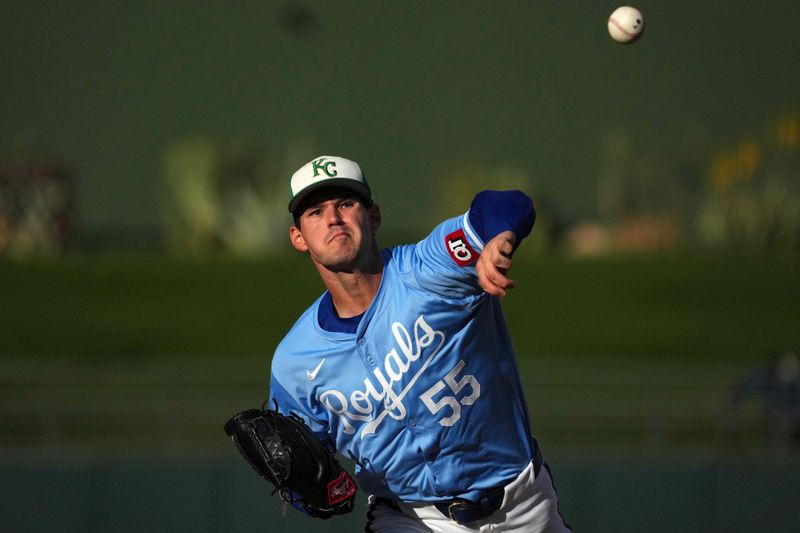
493, 281
499, 278
496, 288
505, 247
491, 289
504, 282
483, 277
502, 262
497, 268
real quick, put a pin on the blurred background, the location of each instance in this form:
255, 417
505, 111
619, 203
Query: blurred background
145, 273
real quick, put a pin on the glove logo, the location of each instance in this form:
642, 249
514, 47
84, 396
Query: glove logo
341, 488
459, 249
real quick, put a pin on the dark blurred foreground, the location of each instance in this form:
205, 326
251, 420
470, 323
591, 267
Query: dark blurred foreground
176, 493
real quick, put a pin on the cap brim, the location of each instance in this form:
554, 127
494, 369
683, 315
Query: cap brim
345, 183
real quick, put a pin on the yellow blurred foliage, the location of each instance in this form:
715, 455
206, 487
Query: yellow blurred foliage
787, 132
756, 186
736, 166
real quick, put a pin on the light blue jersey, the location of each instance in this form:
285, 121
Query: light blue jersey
425, 395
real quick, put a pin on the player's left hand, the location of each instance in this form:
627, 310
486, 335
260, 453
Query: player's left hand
284, 450
495, 262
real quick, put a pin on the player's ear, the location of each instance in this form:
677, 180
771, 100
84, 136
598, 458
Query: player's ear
297, 240
375, 217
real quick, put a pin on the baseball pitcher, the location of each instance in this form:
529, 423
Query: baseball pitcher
404, 365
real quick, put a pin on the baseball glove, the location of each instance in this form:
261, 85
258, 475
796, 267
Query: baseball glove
284, 450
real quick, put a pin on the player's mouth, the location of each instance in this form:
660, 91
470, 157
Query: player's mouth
339, 235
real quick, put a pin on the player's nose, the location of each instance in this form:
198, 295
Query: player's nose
333, 216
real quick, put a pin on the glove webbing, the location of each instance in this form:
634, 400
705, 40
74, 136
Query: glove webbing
251, 425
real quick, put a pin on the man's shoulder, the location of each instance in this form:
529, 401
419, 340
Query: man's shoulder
400, 259
303, 326
452, 244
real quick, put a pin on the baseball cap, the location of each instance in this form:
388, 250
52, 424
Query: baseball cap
327, 171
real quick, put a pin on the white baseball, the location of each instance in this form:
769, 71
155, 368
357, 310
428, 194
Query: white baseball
626, 24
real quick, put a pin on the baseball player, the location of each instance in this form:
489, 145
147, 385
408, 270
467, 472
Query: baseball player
405, 364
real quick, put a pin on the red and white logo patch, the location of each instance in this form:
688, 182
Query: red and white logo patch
459, 249
341, 488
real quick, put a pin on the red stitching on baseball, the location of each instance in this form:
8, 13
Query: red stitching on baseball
613, 21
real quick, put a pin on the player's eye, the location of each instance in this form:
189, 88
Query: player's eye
347, 203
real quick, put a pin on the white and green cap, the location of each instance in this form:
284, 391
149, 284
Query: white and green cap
327, 171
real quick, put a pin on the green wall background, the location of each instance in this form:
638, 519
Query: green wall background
413, 90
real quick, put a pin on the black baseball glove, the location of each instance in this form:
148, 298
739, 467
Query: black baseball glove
284, 450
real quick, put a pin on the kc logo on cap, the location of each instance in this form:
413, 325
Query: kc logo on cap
324, 165
327, 171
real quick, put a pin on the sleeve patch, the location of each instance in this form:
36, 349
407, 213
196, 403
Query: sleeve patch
459, 248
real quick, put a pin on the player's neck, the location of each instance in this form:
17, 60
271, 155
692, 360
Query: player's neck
352, 291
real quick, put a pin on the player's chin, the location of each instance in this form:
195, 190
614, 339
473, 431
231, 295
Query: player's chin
344, 261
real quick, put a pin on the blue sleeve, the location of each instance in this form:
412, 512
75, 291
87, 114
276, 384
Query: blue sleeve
444, 261
280, 398
287, 403
493, 212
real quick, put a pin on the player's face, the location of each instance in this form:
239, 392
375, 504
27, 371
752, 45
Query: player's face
337, 230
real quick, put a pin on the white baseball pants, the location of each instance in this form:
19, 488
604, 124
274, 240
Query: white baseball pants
530, 505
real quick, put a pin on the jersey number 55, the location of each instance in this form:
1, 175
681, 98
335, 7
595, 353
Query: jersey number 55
456, 386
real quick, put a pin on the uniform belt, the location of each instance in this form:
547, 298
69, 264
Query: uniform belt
467, 511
